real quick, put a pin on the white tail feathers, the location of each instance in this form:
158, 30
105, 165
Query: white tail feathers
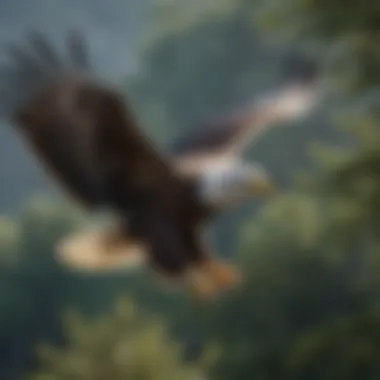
100, 250
292, 102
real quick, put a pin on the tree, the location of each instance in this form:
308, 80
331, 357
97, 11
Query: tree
310, 258
33, 285
36, 290
123, 345
294, 286
344, 348
311, 307
345, 34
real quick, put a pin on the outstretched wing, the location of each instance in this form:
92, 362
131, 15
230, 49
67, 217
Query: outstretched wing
229, 136
82, 131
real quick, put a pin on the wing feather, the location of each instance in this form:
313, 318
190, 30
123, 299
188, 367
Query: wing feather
43, 49
78, 51
230, 135
82, 131
68, 157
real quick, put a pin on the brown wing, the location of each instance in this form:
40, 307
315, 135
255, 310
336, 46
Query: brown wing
232, 134
82, 131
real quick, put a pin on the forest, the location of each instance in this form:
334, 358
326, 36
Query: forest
309, 306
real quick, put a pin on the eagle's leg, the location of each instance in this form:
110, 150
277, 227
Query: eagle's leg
225, 275
194, 279
200, 284
212, 276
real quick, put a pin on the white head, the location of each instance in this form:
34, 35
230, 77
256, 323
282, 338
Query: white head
233, 182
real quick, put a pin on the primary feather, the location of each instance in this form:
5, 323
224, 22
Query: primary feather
81, 130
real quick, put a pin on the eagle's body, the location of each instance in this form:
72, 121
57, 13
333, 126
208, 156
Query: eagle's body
88, 138
152, 203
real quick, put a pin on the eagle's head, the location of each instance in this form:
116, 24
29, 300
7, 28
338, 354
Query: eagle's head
231, 183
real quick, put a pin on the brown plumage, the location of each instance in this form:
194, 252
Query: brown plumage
87, 137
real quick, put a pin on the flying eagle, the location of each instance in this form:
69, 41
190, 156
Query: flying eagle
87, 137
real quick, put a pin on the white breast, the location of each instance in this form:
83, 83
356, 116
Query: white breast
219, 184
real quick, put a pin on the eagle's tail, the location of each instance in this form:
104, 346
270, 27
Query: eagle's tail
100, 250
32, 67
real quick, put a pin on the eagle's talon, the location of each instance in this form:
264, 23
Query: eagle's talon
224, 275
201, 285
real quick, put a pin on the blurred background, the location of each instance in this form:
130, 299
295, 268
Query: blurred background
309, 308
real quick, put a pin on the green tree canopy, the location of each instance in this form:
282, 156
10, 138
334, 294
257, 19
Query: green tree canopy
123, 345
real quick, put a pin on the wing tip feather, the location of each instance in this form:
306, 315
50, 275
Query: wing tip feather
34, 64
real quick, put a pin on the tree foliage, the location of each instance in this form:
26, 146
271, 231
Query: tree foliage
308, 308
122, 345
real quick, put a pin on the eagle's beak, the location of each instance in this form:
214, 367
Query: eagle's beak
263, 188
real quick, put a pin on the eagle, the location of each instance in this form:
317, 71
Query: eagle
89, 140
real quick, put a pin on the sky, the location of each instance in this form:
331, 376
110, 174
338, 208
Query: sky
112, 27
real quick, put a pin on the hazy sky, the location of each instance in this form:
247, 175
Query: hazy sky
112, 26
